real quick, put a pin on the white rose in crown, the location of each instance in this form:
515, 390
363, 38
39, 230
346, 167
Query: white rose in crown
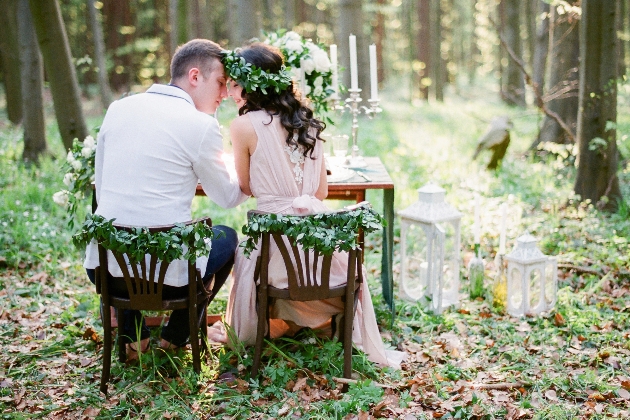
308, 65
321, 61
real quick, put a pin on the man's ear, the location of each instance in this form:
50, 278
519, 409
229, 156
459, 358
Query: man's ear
193, 76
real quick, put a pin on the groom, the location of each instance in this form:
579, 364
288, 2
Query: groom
152, 149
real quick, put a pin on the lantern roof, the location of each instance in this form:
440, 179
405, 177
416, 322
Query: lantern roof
526, 251
431, 207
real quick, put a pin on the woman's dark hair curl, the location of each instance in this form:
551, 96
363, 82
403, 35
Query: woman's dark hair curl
294, 117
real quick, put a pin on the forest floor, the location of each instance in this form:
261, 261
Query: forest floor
474, 361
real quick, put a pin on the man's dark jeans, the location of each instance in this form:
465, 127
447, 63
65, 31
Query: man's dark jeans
220, 262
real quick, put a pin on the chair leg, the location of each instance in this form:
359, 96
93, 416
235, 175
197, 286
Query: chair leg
347, 338
204, 329
107, 347
263, 323
194, 335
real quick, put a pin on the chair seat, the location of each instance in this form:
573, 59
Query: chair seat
333, 292
167, 304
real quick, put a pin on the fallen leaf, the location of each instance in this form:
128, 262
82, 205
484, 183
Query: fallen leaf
550, 394
300, 384
558, 319
42, 276
93, 412
623, 393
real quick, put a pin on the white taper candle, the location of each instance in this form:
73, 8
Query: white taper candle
354, 78
373, 73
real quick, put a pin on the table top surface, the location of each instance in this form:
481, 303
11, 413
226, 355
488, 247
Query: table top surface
375, 170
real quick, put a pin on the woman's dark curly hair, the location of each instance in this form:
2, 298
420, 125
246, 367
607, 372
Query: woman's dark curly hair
294, 117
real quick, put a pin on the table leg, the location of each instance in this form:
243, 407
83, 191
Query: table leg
387, 275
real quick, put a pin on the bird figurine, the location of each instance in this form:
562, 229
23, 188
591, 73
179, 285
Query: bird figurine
497, 139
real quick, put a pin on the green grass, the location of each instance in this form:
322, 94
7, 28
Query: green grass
572, 363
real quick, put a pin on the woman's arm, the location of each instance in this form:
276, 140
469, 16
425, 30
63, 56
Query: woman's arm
322, 191
244, 142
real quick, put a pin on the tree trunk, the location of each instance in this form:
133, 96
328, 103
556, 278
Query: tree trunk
622, 28
62, 77
195, 20
10, 54
379, 40
289, 14
32, 86
173, 5
541, 50
350, 21
562, 95
118, 25
598, 156
424, 46
99, 54
515, 85
439, 69
474, 48
249, 21
529, 15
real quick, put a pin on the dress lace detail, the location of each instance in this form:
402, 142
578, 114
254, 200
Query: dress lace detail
296, 154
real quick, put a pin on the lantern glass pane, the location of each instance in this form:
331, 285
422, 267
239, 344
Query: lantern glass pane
516, 291
415, 278
550, 287
535, 283
451, 255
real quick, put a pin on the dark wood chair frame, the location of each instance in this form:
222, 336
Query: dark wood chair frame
145, 293
309, 287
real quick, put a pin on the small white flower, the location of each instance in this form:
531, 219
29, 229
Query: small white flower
68, 179
86, 152
5, 224
53, 233
61, 198
89, 142
318, 81
308, 90
18, 202
25, 214
321, 61
43, 234
77, 165
292, 36
241, 367
294, 47
70, 157
79, 195
318, 91
308, 65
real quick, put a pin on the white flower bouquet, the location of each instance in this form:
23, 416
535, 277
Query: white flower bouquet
79, 175
300, 54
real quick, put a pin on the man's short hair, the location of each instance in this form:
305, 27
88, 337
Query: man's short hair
197, 53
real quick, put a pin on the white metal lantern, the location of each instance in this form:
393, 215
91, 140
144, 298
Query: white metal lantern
430, 241
532, 279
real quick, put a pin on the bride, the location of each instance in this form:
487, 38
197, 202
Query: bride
278, 154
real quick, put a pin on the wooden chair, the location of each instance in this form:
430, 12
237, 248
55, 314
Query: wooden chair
145, 293
306, 283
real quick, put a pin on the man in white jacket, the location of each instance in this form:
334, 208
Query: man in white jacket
152, 150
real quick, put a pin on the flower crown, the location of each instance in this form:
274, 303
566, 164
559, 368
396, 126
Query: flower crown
253, 78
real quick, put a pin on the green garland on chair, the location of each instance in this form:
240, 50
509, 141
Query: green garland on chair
323, 232
167, 246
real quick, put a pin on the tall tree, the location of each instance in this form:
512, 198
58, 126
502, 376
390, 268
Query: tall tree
55, 49
541, 50
438, 68
424, 46
598, 156
173, 25
249, 21
119, 30
622, 28
562, 96
514, 92
10, 54
99, 53
32, 86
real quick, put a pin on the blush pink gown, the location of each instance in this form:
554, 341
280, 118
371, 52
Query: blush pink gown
273, 183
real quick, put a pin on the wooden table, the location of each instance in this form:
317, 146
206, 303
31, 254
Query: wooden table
354, 189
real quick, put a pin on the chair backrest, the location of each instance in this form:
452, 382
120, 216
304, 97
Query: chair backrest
143, 285
308, 271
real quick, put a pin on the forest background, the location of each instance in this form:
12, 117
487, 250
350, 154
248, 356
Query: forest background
557, 69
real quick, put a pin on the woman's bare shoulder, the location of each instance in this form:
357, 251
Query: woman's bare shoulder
242, 125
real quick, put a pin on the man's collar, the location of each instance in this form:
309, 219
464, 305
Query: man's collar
171, 90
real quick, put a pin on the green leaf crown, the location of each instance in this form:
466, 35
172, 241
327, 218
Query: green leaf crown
253, 78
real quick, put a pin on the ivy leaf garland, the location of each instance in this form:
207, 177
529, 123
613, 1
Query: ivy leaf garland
323, 232
186, 242
253, 78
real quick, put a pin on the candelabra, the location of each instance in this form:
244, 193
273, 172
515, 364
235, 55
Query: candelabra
352, 105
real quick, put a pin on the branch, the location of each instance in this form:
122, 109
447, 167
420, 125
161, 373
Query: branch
580, 269
530, 82
354, 381
497, 386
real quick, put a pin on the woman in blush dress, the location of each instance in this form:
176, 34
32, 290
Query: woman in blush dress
279, 159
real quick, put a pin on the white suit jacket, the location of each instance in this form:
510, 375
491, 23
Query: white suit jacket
152, 150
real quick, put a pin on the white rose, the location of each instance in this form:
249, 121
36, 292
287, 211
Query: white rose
311, 47
308, 90
318, 91
87, 152
319, 80
293, 47
79, 195
89, 142
68, 179
308, 65
70, 157
292, 36
61, 198
322, 63
76, 164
